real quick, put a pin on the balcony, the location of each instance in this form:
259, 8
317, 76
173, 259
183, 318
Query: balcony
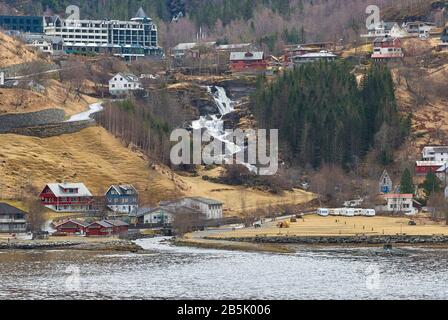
12, 221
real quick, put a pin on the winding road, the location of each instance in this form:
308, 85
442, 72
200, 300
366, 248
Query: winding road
86, 115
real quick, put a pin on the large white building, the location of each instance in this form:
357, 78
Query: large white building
123, 84
398, 203
209, 208
439, 153
127, 39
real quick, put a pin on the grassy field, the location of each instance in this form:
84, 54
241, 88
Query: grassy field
335, 226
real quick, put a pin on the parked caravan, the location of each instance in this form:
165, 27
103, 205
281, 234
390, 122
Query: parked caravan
323, 212
368, 212
358, 212
335, 212
348, 212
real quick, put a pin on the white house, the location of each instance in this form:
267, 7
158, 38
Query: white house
2, 78
386, 184
211, 209
398, 203
123, 83
46, 44
437, 153
418, 28
383, 29
314, 56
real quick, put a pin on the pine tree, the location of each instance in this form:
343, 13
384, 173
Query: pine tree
406, 184
432, 184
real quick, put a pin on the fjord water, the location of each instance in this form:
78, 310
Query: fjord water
167, 272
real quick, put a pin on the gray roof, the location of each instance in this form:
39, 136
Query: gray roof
122, 188
116, 223
6, 209
247, 56
440, 149
191, 45
110, 223
207, 200
78, 222
316, 55
128, 76
57, 189
32, 37
141, 14
234, 46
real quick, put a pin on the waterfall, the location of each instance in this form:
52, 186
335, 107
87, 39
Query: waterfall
223, 102
215, 125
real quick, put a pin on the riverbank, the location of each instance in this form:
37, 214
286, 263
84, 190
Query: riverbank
440, 240
232, 245
81, 244
313, 230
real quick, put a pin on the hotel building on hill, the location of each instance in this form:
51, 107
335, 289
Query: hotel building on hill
126, 39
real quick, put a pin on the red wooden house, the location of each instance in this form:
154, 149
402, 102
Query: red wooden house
72, 227
387, 48
247, 61
106, 228
66, 197
424, 167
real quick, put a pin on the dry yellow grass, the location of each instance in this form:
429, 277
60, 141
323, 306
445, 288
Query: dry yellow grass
14, 52
362, 49
91, 156
320, 226
54, 97
96, 158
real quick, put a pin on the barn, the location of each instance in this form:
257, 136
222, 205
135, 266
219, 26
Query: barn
424, 167
247, 61
107, 228
72, 227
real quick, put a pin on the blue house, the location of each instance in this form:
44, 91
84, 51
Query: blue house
122, 198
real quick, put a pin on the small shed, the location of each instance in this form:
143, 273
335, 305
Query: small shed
72, 227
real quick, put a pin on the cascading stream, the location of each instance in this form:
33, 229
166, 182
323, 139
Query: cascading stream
215, 125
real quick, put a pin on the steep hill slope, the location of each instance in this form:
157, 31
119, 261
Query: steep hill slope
95, 157
14, 52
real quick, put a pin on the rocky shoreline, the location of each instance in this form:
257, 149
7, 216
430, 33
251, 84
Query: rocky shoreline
115, 245
335, 240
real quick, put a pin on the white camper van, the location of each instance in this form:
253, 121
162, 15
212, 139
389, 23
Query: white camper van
323, 212
358, 212
335, 212
348, 212
368, 212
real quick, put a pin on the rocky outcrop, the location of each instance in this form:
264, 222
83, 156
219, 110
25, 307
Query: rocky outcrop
397, 239
10, 122
112, 245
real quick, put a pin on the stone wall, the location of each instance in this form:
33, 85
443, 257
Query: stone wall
378, 240
10, 122
53, 130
